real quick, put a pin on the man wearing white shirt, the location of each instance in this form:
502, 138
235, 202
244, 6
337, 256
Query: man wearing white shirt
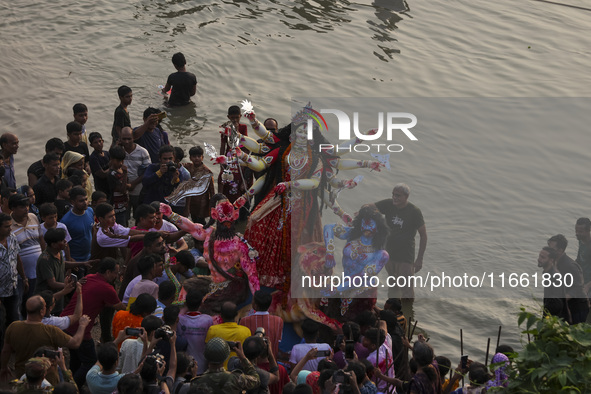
62, 322
310, 329
110, 235
137, 159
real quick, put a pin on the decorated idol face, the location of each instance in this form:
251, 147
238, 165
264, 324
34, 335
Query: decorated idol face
302, 132
369, 227
225, 213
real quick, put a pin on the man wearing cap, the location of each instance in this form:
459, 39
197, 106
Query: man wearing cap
35, 371
217, 378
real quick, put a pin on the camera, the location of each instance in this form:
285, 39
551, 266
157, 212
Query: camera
164, 332
51, 353
340, 377
157, 357
232, 344
133, 331
260, 332
171, 166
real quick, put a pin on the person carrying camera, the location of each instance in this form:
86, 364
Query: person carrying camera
160, 179
133, 350
217, 378
257, 350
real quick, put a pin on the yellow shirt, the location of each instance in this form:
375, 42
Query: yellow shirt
228, 332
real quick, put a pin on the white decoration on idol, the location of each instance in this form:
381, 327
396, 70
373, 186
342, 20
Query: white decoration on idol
246, 107
210, 151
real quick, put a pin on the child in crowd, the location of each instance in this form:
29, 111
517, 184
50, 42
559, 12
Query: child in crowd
198, 206
110, 235
27, 191
74, 142
99, 162
5, 193
118, 184
98, 198
121, 116
182, 82
78, 178
62, 201
81, 116
395, 305
48, 213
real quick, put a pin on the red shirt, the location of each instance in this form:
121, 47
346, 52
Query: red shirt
273, 326
96, 294
137, 246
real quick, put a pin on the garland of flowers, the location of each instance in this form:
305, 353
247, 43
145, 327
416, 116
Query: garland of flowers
286, 230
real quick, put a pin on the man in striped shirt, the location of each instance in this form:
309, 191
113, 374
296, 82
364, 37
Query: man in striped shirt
273, 325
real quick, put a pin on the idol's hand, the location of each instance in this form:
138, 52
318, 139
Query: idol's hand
347, 219
221, 160
376, 166
239, 203
329, 261
281, 187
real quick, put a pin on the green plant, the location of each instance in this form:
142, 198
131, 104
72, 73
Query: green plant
558, 359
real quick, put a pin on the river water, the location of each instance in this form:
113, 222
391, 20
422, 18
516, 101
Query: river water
491, 194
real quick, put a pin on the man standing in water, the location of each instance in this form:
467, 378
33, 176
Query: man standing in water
583, 233
554, 295
404, 220
576, 298
182, 82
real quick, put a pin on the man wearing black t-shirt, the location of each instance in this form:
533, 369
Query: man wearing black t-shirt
36, 170
404, 220
183, 83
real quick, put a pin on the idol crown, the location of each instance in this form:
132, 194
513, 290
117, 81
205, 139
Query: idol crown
303, 115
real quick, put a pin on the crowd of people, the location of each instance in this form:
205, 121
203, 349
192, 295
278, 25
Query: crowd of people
191, 305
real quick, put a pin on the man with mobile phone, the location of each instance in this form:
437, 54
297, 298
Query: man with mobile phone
299, 351
150, 135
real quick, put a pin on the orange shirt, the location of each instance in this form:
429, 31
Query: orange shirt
124, 319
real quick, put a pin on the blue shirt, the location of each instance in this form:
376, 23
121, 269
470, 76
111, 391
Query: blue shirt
152, 141
80, 229
157, 187
102, 384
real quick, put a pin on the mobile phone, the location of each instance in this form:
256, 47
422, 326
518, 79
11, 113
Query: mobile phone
133, 331
349, 349
161, 115
74, 278
464, 362
323, 353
